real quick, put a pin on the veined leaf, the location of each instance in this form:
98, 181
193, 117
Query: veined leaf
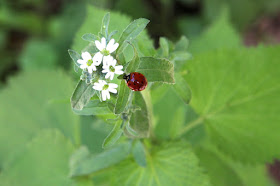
31, 103
138, 152
94, 107
169, 164
81, 95
163, 42
131, 32
123, 96
114, 135
157, 70
37, 165
89, 37
236, 95
182, 88
83, 163
140, 119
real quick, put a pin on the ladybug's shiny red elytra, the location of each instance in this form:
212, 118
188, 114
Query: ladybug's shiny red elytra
136, 81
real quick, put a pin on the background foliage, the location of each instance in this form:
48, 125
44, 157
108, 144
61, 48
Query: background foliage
218, 125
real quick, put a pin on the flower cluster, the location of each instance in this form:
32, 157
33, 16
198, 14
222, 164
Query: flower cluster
109, 66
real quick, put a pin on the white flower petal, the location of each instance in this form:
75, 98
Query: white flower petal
103, 94
113, 85
97, 58
119, 67
113, 48
114, 62
98, 45
86, 56
107, 75
103, 43
112, 76
107, 60
81, 61
107, 94
110, 44
97, 86
83, 66
119, 72
113, 90
106, 70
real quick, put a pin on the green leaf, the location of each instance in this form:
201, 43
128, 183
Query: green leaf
123, 96
220, 35
235, 93
81, 95
169, 164
182, 44
33, 101
82, 163
182, 88
220, 172
157, 70
131, 32
89, 37
134, 63
43, 161
38, 55
75, 56
138, 152
140, 119
114, 135
94, 107
163, 43
105, 24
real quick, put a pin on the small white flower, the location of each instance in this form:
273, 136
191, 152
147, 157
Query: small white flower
87, 62
105, 88
111, 69
105, 50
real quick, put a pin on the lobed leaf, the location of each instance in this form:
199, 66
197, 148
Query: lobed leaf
81, 95
157, 70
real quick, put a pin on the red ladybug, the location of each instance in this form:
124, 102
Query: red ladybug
136, 81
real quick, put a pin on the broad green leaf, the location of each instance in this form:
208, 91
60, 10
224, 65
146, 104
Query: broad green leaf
75, 56
140, 119
224, 171
105, 24
123, 96
114, 135
182, 88
157, 70
169, 164
220, 35
38, 55
134, 63
33, 101
43, 161
81, 95
220, 172
236, 94
131, 32
138, 152
89, 37
82, 163
94, 107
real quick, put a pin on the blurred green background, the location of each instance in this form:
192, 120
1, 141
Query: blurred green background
35, 35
